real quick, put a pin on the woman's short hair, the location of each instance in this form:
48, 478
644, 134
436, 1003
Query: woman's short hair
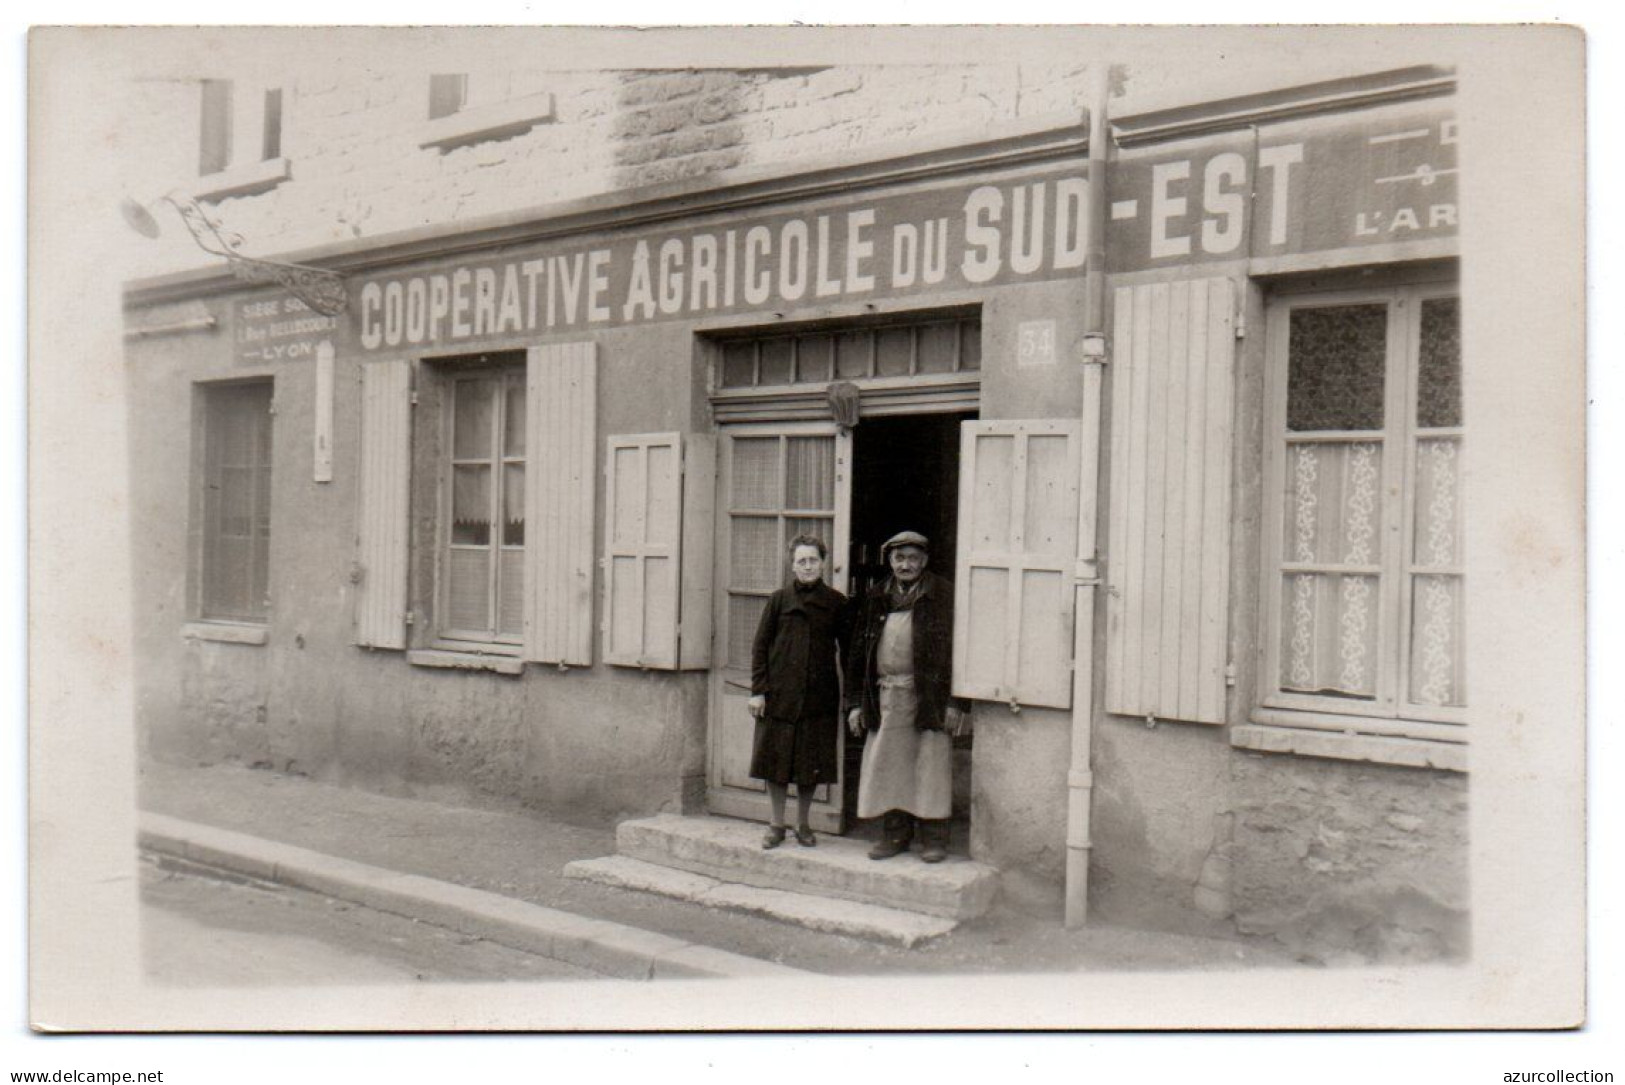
808, 540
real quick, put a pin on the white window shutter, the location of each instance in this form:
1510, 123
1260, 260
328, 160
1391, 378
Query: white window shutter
561, 439
656, 613
383, 520
1013, 593
1168, 567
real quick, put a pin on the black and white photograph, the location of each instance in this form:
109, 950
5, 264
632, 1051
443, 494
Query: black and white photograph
558, 529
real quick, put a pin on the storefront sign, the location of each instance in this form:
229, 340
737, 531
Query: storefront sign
1018, 230
1295, 188
280, 328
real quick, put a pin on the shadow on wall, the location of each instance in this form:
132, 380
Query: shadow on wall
676, 125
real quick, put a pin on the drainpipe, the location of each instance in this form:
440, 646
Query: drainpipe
1086, 577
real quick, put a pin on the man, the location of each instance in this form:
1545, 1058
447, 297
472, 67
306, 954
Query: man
898, 679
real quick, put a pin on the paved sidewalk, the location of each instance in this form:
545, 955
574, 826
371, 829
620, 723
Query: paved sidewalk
512, 859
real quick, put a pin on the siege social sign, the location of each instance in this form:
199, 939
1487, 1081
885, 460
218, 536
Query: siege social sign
1023, 229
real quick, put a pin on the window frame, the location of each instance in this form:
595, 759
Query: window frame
242, 133
507, 371
1390, 712
211, 406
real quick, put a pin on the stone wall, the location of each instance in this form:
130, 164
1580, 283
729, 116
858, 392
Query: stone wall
1350, 863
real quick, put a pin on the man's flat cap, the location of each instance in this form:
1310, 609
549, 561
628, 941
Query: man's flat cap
904, 538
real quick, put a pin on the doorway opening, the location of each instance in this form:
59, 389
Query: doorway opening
905, 477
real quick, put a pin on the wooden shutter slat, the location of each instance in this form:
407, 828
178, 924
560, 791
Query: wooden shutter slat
1168, 563
385, 489
643, 551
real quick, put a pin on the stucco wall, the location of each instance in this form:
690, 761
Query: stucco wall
591, 742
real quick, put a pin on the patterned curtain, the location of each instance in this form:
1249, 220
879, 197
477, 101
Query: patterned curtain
1330, 622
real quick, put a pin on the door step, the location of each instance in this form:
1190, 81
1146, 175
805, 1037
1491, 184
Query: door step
818, 887
815, 913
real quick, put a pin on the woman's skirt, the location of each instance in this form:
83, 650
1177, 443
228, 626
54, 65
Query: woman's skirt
800, 752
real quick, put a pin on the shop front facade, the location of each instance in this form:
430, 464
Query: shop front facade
502, 528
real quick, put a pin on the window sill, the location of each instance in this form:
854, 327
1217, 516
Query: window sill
498, 120
249, 180
1342, 746
226, 632
465, 661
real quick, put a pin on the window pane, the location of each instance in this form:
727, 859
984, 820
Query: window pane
214, 140
756, 553
513, 504
1438, 503
1336, 361
271, 143
468, 592
738, 365
744, 613
471, 505
1329, 642
513, 423
1438, 396
1436, 641
446, 94
236, 501
852, 351
894, 350
1332, 504
511, 594
939, 343
970, 345
815, 358
474, 419
776, 361
756, 472
810, 473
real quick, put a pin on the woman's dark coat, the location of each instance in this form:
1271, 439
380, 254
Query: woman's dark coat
933, 654
795, 664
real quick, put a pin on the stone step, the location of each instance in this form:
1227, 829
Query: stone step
815, 913
730, 850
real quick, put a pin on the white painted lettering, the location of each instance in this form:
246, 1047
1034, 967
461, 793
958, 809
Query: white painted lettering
372, 298
485, 301
1165, 206
793, 260
417, 305
1279, 162
703, 273
905, 254
460, 302
758, 242
508, 316
1225, 207
597, 285
981, 260
640, 294
825, 286
671, 275
1027, 237
858, 249
1071, 223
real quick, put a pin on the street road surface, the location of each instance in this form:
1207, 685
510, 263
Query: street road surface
202, 931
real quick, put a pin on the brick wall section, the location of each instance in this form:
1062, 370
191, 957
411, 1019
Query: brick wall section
1346, 863
352, 139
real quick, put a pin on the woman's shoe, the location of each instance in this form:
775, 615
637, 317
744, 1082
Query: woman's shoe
774, 837
805, 837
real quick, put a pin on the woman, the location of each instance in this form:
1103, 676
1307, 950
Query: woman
795, 688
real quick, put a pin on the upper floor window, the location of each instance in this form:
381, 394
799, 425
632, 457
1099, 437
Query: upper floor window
473, 108
1365, 598
239, 138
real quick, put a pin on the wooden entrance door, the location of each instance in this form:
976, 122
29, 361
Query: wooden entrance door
775, 481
